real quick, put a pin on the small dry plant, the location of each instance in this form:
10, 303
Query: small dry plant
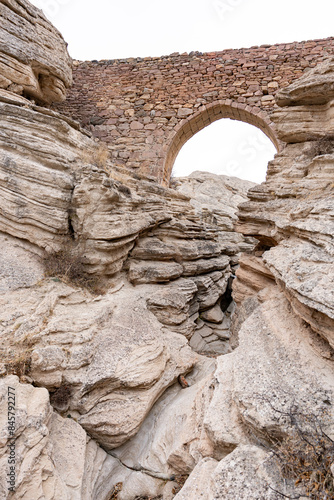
69, 265
16, 361
15, 358
149, 498
323, 146
180, 481
116, 489
305, 455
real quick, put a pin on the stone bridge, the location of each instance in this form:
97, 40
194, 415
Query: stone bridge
147, 108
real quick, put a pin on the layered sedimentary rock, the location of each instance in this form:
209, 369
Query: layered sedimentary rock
37, 151
314, 87
33, 56
107, 360
57, 182
292, 213
102, 359
118, 385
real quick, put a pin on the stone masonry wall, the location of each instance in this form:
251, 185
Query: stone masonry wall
147, 108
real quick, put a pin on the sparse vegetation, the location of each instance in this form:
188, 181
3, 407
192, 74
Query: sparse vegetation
16, 361
305, 455
101, 155
179, 480
149, 498
116, 489
69, 265
323, 146
16, 356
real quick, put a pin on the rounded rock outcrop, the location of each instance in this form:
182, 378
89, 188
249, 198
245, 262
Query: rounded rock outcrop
34, 61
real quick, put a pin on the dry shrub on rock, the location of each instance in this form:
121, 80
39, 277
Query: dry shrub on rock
16, 361
69, 265
305, 455
323, 146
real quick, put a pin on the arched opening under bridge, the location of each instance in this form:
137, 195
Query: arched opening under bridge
226, 147
210, 114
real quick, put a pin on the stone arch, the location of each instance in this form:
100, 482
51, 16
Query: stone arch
208, 114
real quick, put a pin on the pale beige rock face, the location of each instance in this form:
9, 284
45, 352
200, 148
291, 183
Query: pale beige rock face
310, 287
216, 199
252, 277
199, 485
33, 56
247, 473
110, 352
278, 363
38, 150
292, 212
267, 373
303, 123
172, 439
54, 456
114, 362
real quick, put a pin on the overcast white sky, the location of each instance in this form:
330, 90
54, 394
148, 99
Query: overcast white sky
109, 29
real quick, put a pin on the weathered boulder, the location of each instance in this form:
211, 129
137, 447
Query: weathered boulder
106, 360
309, 287
215, 199
214, 315
173, 439
33, 56
246, 473
291, 214
54, 457
316, 86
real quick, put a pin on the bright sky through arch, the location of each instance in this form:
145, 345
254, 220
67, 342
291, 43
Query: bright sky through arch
227, 147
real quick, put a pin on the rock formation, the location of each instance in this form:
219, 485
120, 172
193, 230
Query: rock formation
188, 361
33, 57
54, 457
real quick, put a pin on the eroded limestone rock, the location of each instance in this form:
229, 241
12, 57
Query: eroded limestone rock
54, 456
291, 213
120, 364
246, 473
314, 87
267, 375
110, 352
33, 56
